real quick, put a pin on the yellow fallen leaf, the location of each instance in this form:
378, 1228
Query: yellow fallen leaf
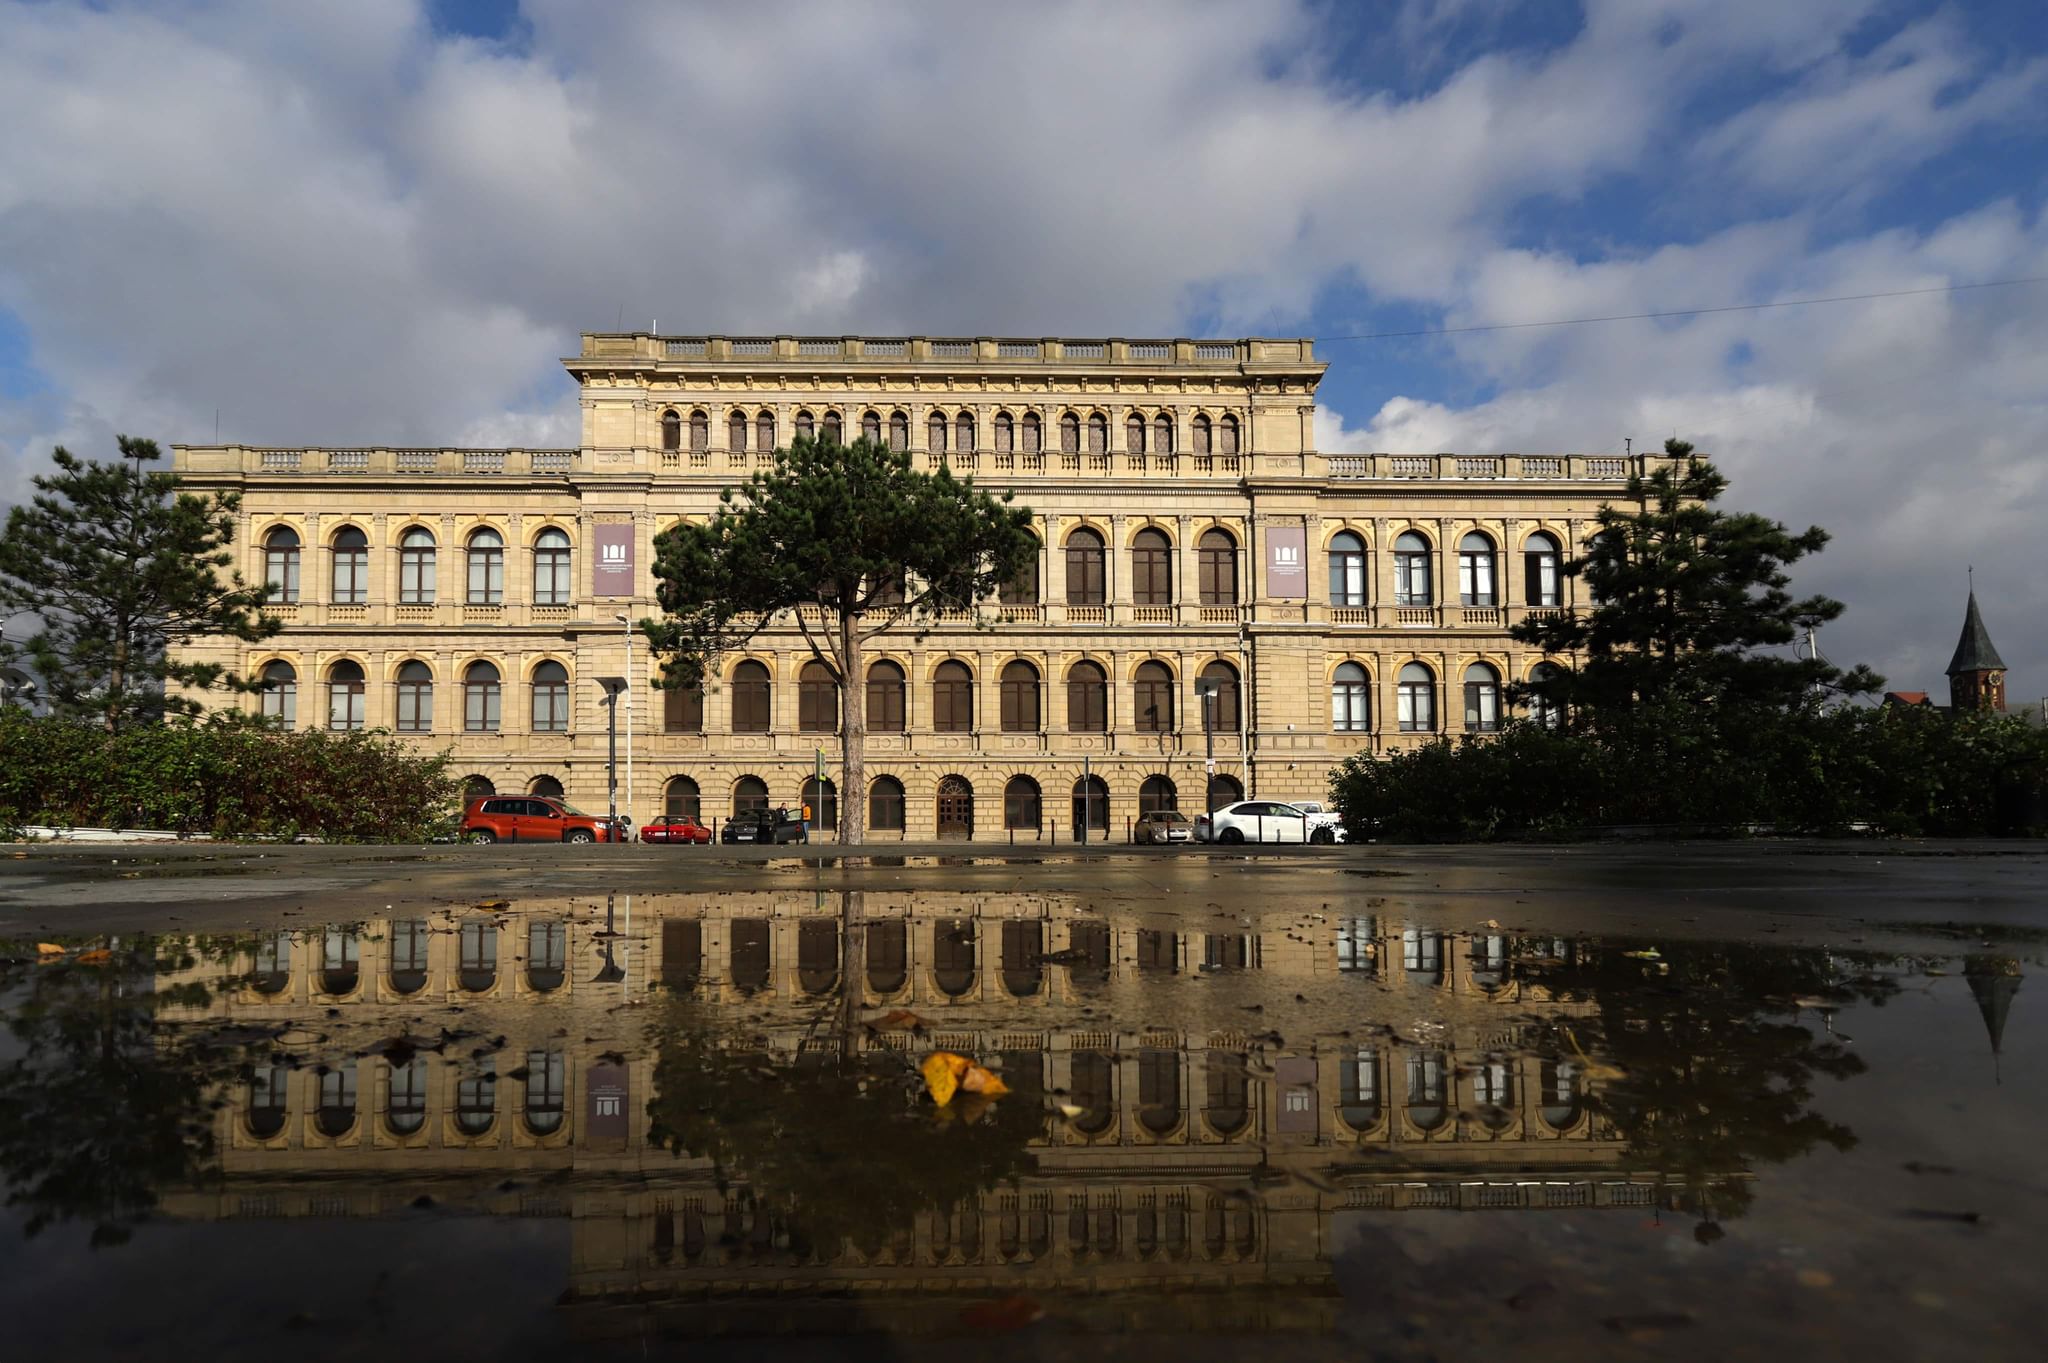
100, 957
494, 903
48, 949
942, 1071
984, 1082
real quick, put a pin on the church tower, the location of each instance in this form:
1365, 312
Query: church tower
1976, 674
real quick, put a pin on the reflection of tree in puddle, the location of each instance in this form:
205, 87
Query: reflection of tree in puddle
103, 1106
836, 1145
1713, 1069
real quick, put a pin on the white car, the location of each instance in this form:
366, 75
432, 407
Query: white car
1321, 815
1266, 821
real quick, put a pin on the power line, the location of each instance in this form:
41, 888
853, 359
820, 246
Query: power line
1686, 312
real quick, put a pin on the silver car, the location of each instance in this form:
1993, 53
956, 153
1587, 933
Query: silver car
1162, 825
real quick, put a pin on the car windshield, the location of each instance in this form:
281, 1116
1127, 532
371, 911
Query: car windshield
572, 810
1168, 816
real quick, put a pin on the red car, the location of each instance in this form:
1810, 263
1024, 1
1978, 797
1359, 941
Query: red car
530, 818
674, 828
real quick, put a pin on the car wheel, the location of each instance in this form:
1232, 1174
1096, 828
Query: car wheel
1232, 836
1323, 836
580, 835
482, 835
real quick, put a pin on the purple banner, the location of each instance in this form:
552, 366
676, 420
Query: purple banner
611, 565
1287, 561
607, 1085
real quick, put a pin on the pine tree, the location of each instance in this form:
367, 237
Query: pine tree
1690, 602
122, 567
851, 540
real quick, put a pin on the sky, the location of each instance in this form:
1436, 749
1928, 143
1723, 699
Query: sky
383, 221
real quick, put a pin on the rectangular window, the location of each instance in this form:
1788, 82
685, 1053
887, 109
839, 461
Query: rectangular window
1541, 584
1347, 579
480, 708
345, 705
282, 572
1475, 579
551, 708
486, 577
1411, 580
682, 710
1417, 701
416, 579
415, 707
551, 579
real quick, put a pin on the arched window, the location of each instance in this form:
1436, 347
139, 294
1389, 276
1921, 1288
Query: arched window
885, 804
1023, 589
1350, 699
1560, 1097
1092, 1088
486, 568
406, 952
1218, 568
1022, 804
1034, 433
1023, 976
1091, 805
1019, 697
273, 969
806, 426
1542, 709
476, 787
955, 808
1087, 698
871, 426
1204, 439
416, 567
736, 432
1482, 699
1415, 699
476, 965
1220, 680
817, 699
1476, 586
281, 693
1347, 570
345, 696
405, 1103
671, 430
888, 949
267, 1089
1152, 698
415, 698
1540, 561
551, 568
1151, 568
964, 436
952, 698
764, 432
1085, 578
1226, 436
480, 698
749, 793
550, 698
700, 432
885, 698
1427, 1090
1358, 1088
1422, 957
548, 786
281, 565
1162, 433
751, 956
681, 797
1134, 434
751, 693
953, 956
545, 1073
1412, 585
476, 1099
1157, 795
1006, 433
823, 800
547, 954
1070, 433
817, 956
351, 580
1098, 433
1228, 1104
835, 428
935, 433
1493, 1092
340, 962
1224, 790
899, 432
682, 709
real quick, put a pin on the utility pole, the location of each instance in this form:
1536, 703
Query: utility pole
1206, 689
628, 625
613, 686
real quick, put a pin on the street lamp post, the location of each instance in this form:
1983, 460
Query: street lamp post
627, 624
613, 688
1206, 689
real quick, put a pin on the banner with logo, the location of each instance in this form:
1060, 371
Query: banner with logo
611, 561
1287, 561
607, 1089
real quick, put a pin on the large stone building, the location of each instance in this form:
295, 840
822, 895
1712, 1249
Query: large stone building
1191, 532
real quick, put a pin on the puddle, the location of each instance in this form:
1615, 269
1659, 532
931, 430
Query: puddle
657, 1121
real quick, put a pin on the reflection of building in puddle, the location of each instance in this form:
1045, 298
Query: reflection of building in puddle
1190, 1150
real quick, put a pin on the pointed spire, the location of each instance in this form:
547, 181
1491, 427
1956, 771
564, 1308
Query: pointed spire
1974, 652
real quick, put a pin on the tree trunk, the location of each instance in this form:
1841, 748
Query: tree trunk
853, 736
117, 677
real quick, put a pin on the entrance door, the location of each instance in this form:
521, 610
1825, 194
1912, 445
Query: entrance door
956, 808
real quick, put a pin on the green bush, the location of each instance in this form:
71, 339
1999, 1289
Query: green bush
1896, 770
228, 775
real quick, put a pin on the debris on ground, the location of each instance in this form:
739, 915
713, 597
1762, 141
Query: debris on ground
946, 1074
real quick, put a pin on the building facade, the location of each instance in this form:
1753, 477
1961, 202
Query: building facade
1218, 609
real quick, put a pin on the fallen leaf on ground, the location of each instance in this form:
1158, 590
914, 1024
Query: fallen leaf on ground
1004, 1314
48, 949
946, 1074
100, 957
899, 1020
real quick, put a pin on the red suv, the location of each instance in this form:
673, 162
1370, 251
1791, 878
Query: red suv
529, 818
